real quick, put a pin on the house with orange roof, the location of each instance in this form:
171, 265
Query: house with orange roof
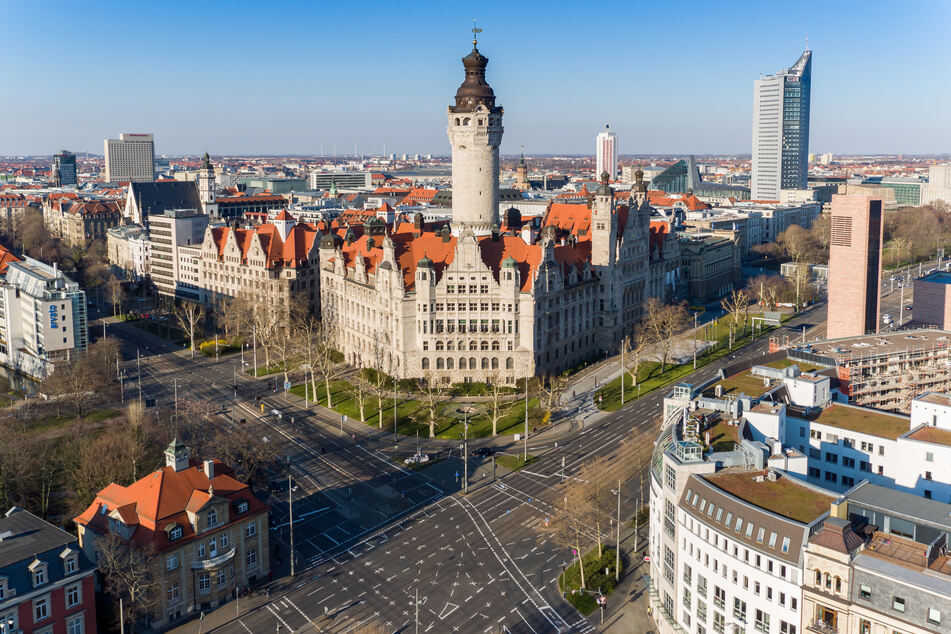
274, 263
205, 532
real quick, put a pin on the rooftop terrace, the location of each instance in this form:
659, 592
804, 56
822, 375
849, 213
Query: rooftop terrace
863, 421
780, 364
785, 497
740, 383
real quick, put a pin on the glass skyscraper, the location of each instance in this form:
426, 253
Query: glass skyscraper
781, 130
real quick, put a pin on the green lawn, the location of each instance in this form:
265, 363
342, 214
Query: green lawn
594, 577
50, 423
513, 463
779, 364
650, 377
413, 415
274, 368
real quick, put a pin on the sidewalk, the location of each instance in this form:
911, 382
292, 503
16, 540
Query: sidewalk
626, 611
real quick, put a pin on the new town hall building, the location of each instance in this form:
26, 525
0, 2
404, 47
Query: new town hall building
482, 297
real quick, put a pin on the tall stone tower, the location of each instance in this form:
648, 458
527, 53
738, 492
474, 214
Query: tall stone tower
475, 132
206, 181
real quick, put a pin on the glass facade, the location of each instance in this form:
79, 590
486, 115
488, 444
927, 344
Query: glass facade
795, 151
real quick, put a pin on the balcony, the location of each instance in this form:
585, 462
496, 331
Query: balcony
822, 628
214, 562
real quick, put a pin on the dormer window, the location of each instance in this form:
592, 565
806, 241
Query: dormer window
175, 532
70, 561
4, 589
242, 506
38, 568
212, 518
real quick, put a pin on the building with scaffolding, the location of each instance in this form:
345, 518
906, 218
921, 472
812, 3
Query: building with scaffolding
884, 371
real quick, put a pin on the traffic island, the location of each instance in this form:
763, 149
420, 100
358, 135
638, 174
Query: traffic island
599, 580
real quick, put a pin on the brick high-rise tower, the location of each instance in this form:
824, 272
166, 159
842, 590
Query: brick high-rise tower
475, 132
855, 257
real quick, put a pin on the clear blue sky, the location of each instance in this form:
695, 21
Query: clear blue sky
285, 77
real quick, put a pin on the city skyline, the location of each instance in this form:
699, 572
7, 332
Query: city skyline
660, 94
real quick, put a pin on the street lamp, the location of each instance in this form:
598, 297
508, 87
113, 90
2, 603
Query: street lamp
465, 411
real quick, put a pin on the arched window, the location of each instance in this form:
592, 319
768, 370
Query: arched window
484, 345
440, 364
509, 363
462, 363
449, 363
473, 345
472, 363
450, 345
485, 363
465, 121
495, 345
495, 363
828, 580
818, 577
838, 584
439, 345
457, 120
425, 363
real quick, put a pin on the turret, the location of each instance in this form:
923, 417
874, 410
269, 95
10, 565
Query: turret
603, 225
206, 181
475, 132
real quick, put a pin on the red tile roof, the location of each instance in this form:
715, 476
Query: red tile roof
163, 498
291, 252
6, 258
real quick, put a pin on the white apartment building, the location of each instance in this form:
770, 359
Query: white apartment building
606, 153
938, 186
42, 317
131, 158
127, 247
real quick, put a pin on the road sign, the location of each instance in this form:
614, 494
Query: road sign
287, 385
772, 319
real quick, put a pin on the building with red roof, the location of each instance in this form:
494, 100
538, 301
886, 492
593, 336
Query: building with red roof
274, 263
207, 531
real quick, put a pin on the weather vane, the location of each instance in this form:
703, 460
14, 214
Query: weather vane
475, 33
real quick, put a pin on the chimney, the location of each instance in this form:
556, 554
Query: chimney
209, 466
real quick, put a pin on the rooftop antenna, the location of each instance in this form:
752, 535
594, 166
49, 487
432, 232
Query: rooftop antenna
807, 42
475, 33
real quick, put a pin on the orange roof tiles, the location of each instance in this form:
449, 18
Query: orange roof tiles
163, 498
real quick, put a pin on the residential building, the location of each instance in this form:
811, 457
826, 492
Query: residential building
175, 239
938, 187
127, 247
855, 255
42, 317
275, 264
879, 564
77, 222
781, 130
208, 531
47, 583
606, 153
64, 169
131, 158
147, 199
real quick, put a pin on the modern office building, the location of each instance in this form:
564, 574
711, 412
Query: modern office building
64, 169
932, 305
175, 239
606, 153
855, 255
907, 189
781, 130
679, 178
938, 187
47, 584
343, 180
42, 317
131, 158
275, 185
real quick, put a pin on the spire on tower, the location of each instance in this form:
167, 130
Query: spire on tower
475, 32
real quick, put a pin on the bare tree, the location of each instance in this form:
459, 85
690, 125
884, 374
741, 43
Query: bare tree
378, 378
325, 355
189, 315
434, 392
243, 451
665, 324
129, 573
116, 293
360, 390
735, 305
501, 402
571, 523
135, 436
549, 389
82, 378
636, 347
597, 477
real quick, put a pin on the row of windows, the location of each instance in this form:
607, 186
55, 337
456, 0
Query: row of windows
473, 364
737, 524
